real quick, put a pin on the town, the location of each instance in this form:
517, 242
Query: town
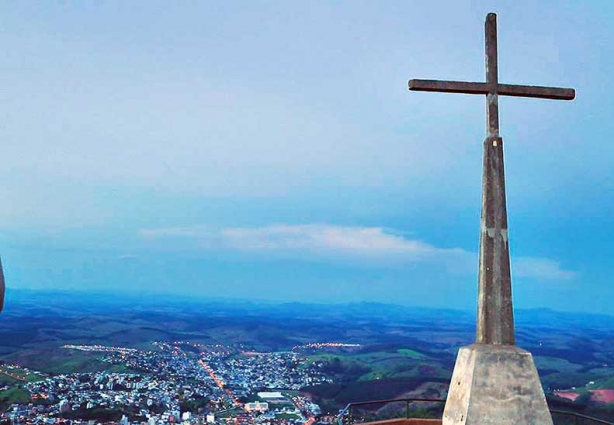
179, 382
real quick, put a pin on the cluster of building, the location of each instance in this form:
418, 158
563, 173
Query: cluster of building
247, 373
176, 383
324, 345
99, 348
143, 395
18, 372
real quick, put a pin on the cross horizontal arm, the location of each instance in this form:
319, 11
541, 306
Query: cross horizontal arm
556, 93
502, 89
448, 86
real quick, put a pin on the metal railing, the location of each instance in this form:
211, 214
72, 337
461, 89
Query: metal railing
345, 414
579, 418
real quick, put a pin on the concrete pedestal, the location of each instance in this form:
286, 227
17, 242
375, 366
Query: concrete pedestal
495, 385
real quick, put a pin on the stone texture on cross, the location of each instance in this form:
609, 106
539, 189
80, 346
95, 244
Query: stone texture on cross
495, 324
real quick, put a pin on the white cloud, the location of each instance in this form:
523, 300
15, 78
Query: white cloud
540, 268
317, 240
365, 240
363, 245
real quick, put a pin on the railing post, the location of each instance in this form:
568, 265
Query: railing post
406, 409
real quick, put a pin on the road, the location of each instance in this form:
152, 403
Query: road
220, 383
12, 375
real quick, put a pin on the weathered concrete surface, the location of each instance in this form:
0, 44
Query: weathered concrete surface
495, 385
495, 322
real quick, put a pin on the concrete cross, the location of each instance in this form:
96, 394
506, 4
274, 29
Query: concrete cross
495, 324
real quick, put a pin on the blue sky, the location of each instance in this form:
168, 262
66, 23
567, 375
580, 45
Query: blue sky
270, 150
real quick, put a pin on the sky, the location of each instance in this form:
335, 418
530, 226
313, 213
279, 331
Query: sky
270, 150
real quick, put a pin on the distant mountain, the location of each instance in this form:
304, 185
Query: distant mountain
76, 302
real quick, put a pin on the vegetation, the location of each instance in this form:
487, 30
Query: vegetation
196, 405
14, 394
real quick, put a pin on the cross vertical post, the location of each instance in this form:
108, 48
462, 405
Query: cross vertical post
495, 318
492, 76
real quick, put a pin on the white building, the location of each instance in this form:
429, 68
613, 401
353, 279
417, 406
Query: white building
257, 406
271, 395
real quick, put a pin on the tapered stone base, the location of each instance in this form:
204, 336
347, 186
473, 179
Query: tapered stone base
495, 385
